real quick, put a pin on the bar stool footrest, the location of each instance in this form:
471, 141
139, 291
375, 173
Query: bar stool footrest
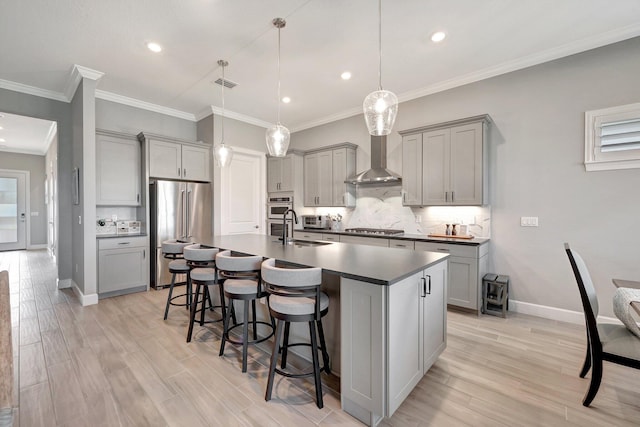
259, 340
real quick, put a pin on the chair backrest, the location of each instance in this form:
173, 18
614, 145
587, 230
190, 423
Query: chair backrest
587, 292
290, 277
174, 247
226, 262
200, 253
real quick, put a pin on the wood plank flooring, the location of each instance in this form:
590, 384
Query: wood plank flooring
119, 364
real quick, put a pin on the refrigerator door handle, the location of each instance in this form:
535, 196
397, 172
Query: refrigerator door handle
188, 213
182, 230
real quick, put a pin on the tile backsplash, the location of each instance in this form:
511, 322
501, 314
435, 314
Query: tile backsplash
381, 207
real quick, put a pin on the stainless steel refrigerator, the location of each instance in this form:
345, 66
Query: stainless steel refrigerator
178, 210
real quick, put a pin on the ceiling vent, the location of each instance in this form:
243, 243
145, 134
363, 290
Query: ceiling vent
227, 83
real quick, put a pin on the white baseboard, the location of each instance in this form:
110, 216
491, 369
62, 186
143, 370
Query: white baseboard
64, 283
37, 247
89, 299
554, 313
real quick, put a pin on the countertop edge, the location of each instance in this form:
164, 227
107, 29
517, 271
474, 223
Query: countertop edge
476, 241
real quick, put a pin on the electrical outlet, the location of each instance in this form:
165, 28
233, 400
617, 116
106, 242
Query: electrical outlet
528, 221
418, 219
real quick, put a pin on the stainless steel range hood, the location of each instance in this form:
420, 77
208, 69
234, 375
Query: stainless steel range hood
378, 174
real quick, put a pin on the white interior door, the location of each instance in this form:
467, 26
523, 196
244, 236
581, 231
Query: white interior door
13, 214
243, 193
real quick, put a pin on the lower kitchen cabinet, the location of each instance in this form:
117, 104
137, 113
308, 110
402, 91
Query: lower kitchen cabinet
362, 240
123, 265
410, 317
467, 265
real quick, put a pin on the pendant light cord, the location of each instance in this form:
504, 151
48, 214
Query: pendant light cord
278, 76
379, 44
222, 125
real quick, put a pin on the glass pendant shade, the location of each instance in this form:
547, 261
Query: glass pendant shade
380, 111
222, 154
278, 140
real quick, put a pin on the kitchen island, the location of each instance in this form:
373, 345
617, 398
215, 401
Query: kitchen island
392, 311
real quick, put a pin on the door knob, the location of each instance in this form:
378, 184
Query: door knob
257, 226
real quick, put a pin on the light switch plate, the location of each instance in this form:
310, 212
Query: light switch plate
528, 221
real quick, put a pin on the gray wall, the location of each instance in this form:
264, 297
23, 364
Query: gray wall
60, 112
123, 118
536, 169
36, 166
77, 117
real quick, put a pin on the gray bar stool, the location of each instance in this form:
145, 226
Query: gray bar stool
172, 249
201, 260
240, 276
295, 296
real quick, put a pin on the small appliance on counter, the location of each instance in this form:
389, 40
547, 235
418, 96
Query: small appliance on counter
127, 227
315, 222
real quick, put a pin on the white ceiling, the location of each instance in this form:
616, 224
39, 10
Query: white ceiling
41, 40
25, 134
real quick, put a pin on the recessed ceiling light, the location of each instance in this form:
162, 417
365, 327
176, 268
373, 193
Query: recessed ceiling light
2, 140
286, 100
154, 47
1, 128
346, 75
438, 36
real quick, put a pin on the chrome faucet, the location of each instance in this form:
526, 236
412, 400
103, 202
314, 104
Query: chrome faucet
284, 224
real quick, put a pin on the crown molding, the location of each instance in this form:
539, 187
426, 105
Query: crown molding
132, 102
32, 90
78, 72
565, 50
211, 109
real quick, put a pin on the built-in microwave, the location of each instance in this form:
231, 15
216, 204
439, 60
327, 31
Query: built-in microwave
278, 205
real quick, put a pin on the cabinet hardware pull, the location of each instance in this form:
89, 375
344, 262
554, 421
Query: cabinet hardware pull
179, 172
184, 173
429, 292
446, 196
144, 254
404, 197
424, 287
138, 198
124, 243
443, 250
453, 199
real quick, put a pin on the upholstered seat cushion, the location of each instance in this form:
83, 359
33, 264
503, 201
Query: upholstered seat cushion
178, 266
203, 274
241, 287
617, 339
297, 305
199, 253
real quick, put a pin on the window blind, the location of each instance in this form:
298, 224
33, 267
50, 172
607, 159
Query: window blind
620, 135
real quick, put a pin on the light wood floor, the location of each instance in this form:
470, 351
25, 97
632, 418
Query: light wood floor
119, 364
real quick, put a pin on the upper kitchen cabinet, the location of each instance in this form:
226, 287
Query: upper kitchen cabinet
324, 174
118, 169
175, 159
282, 171
446, 164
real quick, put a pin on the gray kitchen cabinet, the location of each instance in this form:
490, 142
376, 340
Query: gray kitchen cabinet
344, 166
467, 265
410, 318
176, 159
123, 265
452, 166
118, 169
307, 235
280, 174
402, 244
324, 174
412, 170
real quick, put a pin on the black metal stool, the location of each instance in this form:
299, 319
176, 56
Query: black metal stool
241, 275
295, 296
172, 249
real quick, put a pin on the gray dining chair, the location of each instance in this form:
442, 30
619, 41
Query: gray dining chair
605, 341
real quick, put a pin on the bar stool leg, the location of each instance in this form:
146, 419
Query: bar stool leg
274, 360
192, 317
173, 283
205, 297
285, 344
223, 306
245, 335
325, 354
189, 293
316, 365
255, 323
225, 328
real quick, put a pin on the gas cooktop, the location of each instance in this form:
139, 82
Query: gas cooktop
377, 231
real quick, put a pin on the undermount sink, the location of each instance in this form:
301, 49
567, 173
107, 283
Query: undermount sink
304, 243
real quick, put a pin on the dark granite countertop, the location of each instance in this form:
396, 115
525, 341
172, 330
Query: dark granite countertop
476, 241
111, 236
377, 265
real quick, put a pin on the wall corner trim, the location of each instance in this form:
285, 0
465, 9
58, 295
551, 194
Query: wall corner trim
77, 74
85, 300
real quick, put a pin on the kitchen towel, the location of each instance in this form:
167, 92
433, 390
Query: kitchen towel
622, 299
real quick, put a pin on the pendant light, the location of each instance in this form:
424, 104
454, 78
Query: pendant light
277, 135
380, 107
221, 152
